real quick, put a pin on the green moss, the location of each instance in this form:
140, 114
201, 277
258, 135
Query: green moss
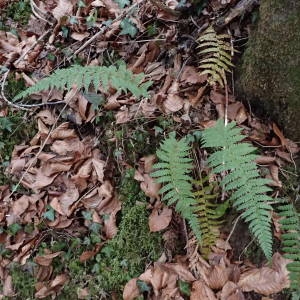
270, 72
19, 11
123, 257
13, 132
23, 281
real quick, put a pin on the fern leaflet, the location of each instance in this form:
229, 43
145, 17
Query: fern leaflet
290, 224
172, 171
243, 179
209, 213
119, 78
217, 55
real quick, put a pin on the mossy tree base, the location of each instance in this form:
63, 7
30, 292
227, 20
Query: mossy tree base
269, 76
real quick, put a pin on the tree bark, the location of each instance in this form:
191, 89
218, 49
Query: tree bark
269, 76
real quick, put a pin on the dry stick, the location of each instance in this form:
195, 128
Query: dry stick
102, 30
232, 230
41, 148
238, 10
37, 12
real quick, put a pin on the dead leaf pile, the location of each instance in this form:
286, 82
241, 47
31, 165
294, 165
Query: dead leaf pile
218, 279
67, 176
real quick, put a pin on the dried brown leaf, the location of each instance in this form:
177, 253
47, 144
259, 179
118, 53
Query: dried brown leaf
160, 219
201, 291
46, 260
267, 280
131, 290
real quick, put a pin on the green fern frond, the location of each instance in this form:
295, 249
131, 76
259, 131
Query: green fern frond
290, 224
173, 171
209, 214
243, 180
216, 50
119, 78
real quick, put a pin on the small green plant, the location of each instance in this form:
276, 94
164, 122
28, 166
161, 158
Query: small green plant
23, 280
235, 160
19, 11
210, 213
172, 171
290, 224
216, 50
83, 77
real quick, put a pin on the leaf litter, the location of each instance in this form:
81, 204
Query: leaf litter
71, 176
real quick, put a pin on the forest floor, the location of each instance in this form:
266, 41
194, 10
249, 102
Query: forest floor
80, 215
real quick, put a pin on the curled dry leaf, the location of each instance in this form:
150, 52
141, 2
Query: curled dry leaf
63, 8
131, 290
160, 218
191, 75
46, 260
231, 291
201, 291
267, 280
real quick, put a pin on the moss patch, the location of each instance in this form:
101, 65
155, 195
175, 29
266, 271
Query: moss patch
18, 11
270, 71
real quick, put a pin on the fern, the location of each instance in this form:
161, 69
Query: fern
83, 77
210, 214
243, 179
217, 55
172, 171
290, 224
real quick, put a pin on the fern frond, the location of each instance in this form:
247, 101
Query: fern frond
119, 78
290, 224
209, 214
173, 171
243, 180
216, 50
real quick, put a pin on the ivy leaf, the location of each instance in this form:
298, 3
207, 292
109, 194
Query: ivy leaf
128, 28
49, 214
122, 3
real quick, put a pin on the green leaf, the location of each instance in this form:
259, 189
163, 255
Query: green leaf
184, 287
143, 286
128, 28
13, 229
49, 214
122, 3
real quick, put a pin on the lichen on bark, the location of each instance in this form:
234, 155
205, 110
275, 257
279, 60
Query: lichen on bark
269, 76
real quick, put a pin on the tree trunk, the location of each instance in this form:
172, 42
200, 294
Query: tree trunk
269, 77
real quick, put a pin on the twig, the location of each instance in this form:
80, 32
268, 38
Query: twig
233, 228
37, 12
102, 30
32, 46
4, 97
238, 10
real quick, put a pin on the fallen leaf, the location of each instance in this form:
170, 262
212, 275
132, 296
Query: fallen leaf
131, 290
46, 260
63, 8
160, 219
201, 291
267, 280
